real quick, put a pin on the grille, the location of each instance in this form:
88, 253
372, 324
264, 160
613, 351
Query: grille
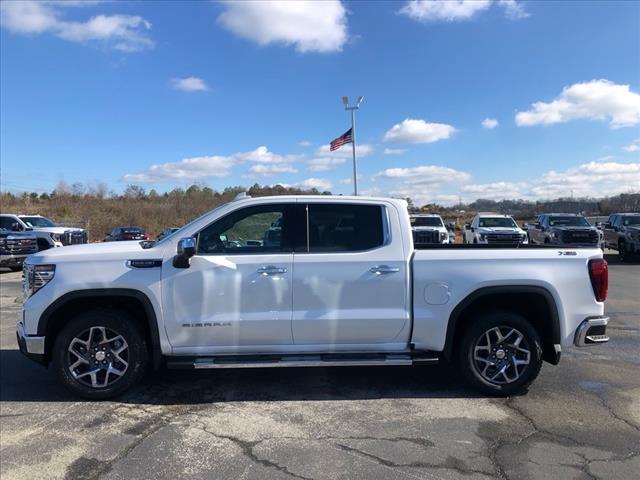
428, 236
504, 238
22, 246
580, 237
72, 237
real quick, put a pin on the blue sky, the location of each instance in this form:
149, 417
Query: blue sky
163, 94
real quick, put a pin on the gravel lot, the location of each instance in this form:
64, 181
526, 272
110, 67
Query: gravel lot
581, 419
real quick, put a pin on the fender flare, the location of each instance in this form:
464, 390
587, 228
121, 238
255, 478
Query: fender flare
552, 307
152, 321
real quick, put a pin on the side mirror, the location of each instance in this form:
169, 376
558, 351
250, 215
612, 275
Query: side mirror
186, 249
467, 226
607, 225
616, 229
15, 226
539, 226
525, 226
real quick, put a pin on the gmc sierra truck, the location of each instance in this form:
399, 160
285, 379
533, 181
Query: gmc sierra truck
15, 247
494, 228
340, 284
48, 233
564, 229
622, 233
428, 229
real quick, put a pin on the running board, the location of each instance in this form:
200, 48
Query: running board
328, 360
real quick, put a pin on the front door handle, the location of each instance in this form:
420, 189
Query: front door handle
271, 270
381, 269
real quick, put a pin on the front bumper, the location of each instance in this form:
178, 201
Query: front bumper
31, 346
591, 331
12, 260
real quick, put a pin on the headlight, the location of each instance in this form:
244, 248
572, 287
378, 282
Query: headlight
629, 235
553, 235
443, 235
34, 277
56, 237
483, 237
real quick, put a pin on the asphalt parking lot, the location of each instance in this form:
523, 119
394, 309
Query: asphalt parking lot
580, 419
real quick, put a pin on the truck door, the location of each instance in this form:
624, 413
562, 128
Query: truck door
350, 281
238, 290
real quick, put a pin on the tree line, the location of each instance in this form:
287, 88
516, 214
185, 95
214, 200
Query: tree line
99, 210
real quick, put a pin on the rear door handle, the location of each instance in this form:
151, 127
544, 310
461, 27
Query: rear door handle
382, 269
271, 270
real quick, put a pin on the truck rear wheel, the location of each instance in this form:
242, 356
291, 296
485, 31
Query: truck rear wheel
500, 354
100, 354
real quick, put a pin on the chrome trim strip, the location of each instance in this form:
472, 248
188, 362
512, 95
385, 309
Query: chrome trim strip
581, 339
300, 362
33, 344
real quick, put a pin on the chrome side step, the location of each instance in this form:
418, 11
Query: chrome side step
331, 360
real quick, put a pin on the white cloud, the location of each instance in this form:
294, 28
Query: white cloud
317, 183
489, 123
597, 99
323, 164
444, 11
458, 10
418, 131
304, 143
126, 33
195, 168
425, 175
263, 170
189, 84
495, 190
513, 10
310, 26
394, 151
633, 146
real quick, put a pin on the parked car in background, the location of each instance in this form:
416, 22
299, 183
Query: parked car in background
167, 231
342, 284
564, 229
493, 228
126, 233
428, 229
48, 233
622, 233
15, 247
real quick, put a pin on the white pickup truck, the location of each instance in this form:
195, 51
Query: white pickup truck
298, 281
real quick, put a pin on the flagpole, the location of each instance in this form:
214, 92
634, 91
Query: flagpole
345, 101
353, 148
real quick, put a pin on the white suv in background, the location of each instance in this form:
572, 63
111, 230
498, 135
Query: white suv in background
494, 228
48, 233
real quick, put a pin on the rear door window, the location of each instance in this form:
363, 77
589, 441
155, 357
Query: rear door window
335, 227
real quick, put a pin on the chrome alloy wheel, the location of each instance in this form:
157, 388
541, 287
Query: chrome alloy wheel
98, 357
501, 355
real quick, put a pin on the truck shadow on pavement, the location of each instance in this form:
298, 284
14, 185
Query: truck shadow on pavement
24, 381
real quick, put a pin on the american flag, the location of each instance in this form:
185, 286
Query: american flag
346, 137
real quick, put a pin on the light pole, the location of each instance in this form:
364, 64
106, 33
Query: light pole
345, 101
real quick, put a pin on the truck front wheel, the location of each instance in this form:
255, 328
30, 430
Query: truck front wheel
500, 354
100, 354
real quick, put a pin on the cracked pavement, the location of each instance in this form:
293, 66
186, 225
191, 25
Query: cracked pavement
580, 420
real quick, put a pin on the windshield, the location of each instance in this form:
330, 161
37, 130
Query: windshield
568, 222
506, 222
634, 220
38, 222
426, 222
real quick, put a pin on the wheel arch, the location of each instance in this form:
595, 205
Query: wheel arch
519, 298
134, 301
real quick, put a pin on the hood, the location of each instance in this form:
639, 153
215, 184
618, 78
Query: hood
499, 230
632, 228
574, 229
57, 230
95, 252
20, 235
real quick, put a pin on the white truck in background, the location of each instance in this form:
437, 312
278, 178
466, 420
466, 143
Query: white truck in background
494, 228
48, 233
428, 229
342, 284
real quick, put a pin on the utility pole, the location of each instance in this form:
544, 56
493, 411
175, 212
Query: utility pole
345, 101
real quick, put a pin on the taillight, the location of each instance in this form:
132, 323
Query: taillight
599, 274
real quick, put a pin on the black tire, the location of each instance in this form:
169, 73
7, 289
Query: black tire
476, 331
622, 252
115, 322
